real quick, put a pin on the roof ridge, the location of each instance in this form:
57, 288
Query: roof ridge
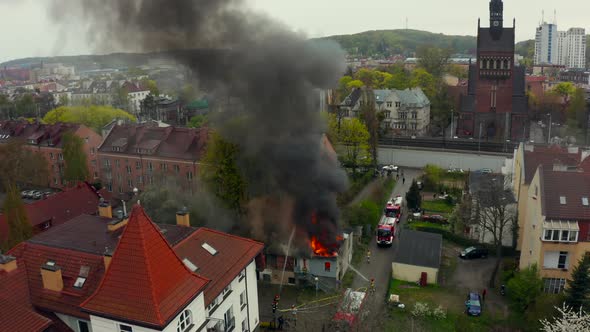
228, 234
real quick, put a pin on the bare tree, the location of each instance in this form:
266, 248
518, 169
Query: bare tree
494, 214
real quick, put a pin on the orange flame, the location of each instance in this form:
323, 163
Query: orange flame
319, 249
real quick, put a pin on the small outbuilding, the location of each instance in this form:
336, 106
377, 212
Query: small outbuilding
417, 252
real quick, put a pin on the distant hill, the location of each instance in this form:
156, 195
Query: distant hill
388, 42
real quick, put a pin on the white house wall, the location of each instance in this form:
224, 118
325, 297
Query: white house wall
252, 285
72, 322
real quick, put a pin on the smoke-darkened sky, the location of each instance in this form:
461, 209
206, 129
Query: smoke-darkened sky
26, 30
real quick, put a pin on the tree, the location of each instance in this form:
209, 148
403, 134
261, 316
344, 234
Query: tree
25, 106
18, 164
400, 78
570, 320
578, 290
221, 173
76, 164
365, 212
577, 112
413, 197
426, 81
433, 59
354, 136
367, 76
441, 110
93, 116
371, 120
148, 107
458, 71
355, 84
564, 89
152, 86
494, 215
19, 227
197, 121
524, 288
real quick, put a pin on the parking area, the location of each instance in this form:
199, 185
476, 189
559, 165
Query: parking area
31, 195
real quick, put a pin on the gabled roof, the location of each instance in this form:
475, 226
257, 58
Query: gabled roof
419, 249
567, 187
16, 311
167, 142
59, 208
43, 134
146, 283
547, 156
234, 253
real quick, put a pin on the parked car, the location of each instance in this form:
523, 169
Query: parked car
486, 171
390, 168
474, 252
24, 193
473, 305
30, 194
37, 194
435, 218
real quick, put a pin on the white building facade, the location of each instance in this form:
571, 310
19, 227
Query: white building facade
546, 48
564, 48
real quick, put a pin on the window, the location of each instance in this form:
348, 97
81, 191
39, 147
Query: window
92, 150
93, 162
243, 299
119, 178
327, 266
164, 167
560, 231
107, 163
189, 175
555, 260
398, 104
151, 180
242, 275
110, 187
185, 321
125, 328
176, 168
120, 190
414, 115
562, 263
51, 155
129, 182
117, 163
226, 290
150, 166
229, 319
244, 326
191, 266
389, 104
128, 169
387, 114
83, 326
140, 179
60, 156
414, 126
138, 165
79, 282
403, 115
212, 305
553, 285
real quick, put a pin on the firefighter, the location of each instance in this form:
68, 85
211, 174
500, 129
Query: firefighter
372, 287
369, 256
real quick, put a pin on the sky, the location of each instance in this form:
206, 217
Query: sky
27, 31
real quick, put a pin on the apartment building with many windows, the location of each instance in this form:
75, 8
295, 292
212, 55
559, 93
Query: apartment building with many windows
556, 231
135, 156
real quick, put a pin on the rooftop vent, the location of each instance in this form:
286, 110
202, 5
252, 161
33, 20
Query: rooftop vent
190, 265
209, 248
562, 200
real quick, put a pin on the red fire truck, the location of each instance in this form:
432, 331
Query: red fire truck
393, 209
386, 231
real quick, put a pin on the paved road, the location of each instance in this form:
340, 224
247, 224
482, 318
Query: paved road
381, 258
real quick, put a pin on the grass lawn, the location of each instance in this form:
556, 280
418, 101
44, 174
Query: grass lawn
439, 205
417, 224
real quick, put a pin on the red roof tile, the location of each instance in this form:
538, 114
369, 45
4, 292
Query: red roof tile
16, 311
571, 185
33, 256
59, 208
146, 283
234, 253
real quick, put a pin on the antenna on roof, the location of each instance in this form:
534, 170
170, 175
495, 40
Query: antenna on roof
555, 16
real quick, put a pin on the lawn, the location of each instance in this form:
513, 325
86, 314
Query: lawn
419, 224
439, 205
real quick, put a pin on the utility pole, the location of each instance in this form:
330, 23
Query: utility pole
479, 141
549, 134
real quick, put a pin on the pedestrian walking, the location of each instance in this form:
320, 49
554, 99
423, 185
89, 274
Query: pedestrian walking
483, 294
404, 181
368, 256
372, 288
281, 322
397, 177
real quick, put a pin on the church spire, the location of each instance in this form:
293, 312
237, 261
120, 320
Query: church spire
496, 14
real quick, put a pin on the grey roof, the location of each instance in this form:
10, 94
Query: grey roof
352, 98
413, 97
488, 43
381, 95
419, 249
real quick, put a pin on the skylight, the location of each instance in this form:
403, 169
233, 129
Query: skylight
84, 271
79, 282
190, 264
50, 263
562, 200
209, 249
585, 201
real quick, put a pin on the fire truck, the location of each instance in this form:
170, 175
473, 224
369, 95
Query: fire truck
393, 209
386, 231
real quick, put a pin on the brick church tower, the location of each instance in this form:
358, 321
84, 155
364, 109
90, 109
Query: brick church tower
495, 107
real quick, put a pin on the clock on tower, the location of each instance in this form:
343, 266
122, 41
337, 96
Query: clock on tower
496, 14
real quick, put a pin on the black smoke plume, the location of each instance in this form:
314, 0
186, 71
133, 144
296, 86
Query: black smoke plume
271, 74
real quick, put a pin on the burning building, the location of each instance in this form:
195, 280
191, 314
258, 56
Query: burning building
303, 265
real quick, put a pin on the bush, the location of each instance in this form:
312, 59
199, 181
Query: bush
525, 288
366, 212
422, 309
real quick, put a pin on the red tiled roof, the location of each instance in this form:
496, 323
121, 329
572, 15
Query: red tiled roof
234, 253
168, 142
59, 208
146, 283
547, 156
33, 256
571, 185
16, 311
45, 134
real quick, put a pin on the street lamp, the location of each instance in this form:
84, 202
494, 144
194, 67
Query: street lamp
317, 285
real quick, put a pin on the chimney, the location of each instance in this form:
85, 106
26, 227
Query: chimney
51, 275
105, 209
115, 224
107, 257
182, 217
7, 263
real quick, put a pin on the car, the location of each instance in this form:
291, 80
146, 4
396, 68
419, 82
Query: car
473, 305
24, 193
390, 168
37, 194
30, 194
486, 171
435, 218
474, 252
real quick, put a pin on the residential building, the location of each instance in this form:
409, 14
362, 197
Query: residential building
580, 78
158, 277
418, 253
134, 156
527, 159
58, 208
492, 199
495, 107
557, 225
405, 112
575, 48
136, 94
546, 48
47, 140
